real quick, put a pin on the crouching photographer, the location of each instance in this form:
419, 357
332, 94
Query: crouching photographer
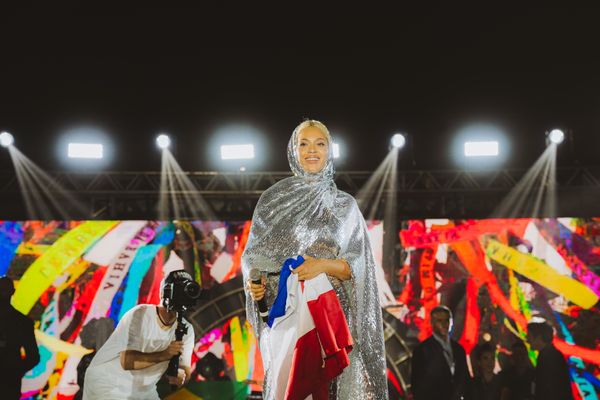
149, 341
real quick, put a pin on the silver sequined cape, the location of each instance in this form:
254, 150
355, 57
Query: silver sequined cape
306, 215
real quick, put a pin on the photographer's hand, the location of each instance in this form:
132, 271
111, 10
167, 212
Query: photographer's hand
133, 359
174, 349
178, 380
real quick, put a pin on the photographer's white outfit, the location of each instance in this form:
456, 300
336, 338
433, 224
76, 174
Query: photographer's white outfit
138, 330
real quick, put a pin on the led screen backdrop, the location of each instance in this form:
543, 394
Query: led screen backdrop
498, 274
76, 279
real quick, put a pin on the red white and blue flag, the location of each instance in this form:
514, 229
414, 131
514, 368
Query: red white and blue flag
309, 339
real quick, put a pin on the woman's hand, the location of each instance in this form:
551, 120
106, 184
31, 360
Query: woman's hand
310, 268
257, 291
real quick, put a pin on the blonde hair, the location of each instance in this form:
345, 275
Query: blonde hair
318, 124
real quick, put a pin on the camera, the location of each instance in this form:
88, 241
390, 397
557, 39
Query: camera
180, 291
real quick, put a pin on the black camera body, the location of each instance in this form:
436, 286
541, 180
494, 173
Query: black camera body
180, 291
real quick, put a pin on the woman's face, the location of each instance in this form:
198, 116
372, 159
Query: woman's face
313, 149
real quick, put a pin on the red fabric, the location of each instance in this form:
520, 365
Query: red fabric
237, 256
330, 323
258, 373
310, 373
392, 378
84, 296
428, 291
150, 288
571, 350
307, 366
472, 257
416, 236
472, 318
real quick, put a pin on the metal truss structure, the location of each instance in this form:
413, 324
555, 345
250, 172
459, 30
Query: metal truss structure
232, 196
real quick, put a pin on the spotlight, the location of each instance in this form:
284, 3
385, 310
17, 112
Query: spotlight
6, 139
336, 150
556, 136
480, 146
482, 149
398, 140
163, 141
85, 150
85, 147
237, 152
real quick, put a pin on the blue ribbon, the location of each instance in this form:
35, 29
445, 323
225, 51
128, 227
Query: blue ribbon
137, 271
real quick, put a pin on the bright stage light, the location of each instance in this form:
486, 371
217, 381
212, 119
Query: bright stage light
556, 136
237, 152
336, 150
482, 149
6, 139
398, 140
163, 141
85, 150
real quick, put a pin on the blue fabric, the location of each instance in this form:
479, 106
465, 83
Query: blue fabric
137, 271
591, 378
117, 302
278, 307
165, 234
11, 235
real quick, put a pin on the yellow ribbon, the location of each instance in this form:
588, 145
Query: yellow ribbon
64, 252
57, 345
240, 348
542, 273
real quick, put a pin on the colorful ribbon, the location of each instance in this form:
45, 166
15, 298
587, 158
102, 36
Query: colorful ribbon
66, 250
542, 273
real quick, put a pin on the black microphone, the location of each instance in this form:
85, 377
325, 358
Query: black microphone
263, 310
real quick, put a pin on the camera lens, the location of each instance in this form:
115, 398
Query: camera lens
192, 290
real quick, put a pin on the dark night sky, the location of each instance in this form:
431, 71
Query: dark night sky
137, 72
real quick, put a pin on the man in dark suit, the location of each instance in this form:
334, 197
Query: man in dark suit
18, 348
439, 364
551, 380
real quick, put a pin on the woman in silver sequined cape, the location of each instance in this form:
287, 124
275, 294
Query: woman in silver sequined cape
307, 215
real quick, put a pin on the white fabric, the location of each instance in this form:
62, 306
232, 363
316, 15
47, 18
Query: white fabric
116, 273
111, 244
138, 330
281, 339
386, 296
221, 267
545, 251
296, 322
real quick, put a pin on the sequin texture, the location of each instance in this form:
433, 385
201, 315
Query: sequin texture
306, 215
